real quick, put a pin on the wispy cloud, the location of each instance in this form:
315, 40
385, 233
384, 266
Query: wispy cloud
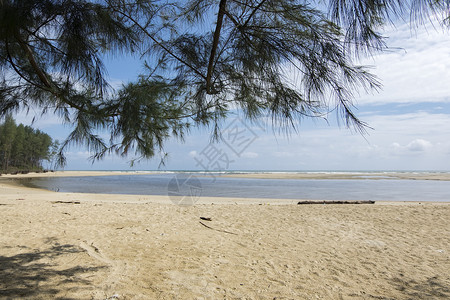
417, 68
249, 155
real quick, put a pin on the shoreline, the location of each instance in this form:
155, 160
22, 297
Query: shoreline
11, 187
76, 174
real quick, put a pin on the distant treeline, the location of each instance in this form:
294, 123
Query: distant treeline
23, 148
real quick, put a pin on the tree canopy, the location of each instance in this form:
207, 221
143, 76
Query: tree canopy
23, 148
285, 59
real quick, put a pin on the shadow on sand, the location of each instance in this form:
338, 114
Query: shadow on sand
33, 275
432, 288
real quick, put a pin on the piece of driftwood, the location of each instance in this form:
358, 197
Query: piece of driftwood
217, 229
205, 219
336, 202
67, 202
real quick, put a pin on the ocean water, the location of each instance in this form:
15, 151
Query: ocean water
366, 188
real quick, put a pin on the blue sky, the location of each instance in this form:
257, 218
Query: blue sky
410, 118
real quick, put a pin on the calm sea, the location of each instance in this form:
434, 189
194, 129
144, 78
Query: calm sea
366, 188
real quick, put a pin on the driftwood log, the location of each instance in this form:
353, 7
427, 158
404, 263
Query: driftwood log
67, 202
336, 202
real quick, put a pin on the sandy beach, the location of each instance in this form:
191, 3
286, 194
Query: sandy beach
95, 246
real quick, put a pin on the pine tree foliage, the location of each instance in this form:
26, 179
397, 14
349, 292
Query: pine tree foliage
286, 59
22, 148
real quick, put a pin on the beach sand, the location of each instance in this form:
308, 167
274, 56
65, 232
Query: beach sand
91, 246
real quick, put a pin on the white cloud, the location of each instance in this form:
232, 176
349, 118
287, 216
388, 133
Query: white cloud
416, 148
419, 145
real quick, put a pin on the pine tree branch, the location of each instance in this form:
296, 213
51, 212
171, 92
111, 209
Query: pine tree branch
215, 44
29, 53
159, 43
48, 85
230, 16
16, 69
253, 12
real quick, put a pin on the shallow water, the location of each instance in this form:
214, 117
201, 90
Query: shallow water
216, 186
